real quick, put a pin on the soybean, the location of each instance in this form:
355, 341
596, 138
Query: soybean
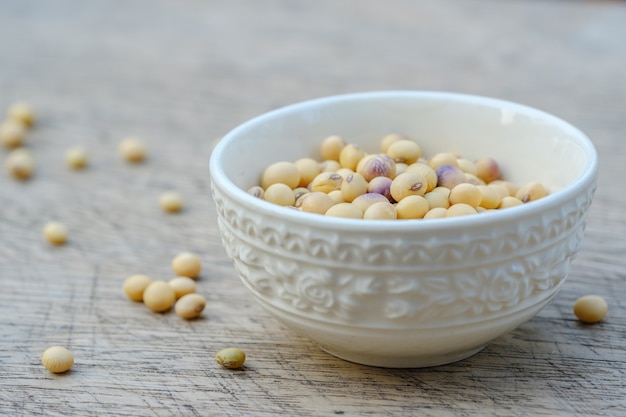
187, 264
382, 210
76, 158
345, 210
280, 194
57, 359
405, 151
408, 183
460, 209
20, 164
231, 357
282, 172
353, 186
12, 134
182, 286
350, 156
412, 207
171, 201
466, 193
55, 233
331, 147
308, 168
531, 191
22, 113
132, 150
159, 296
190, 306
315, 202
590, 308
135, 285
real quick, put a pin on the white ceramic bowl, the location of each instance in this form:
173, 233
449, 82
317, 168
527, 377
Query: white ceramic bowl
406, 293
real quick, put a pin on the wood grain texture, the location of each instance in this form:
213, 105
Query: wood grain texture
181, 74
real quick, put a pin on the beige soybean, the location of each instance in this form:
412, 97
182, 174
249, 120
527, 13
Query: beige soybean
231, 358
280, 194
171, 201
437, 199
57, 359
135, 285
467, 166
427, 172
326, 182
590, 308
308, 168
405, 151
23, 113
443, 190
282, 172
346, 210
190, 306
12, 134
382, 210
329, 165
132, 150
299, 192
436, 213
353, 186
20, 164
510, 186
400, 168
490, 197
344, 172
465, 193
531, 191
501, 190
509, 201
365, 200
460, 209
336, 196
187, 264
412, 207
331, 147
159, 296
487, 169
76, 158
315, 202
350, 156
256, 191
182, 286
389, 139
55, 233
408, 183
443, 158
473, 179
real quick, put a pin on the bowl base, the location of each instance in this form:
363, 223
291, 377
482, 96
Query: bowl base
404, 362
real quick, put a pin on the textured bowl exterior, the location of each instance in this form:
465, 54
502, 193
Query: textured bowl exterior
424, 294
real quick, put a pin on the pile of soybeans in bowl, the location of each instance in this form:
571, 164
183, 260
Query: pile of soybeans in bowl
399, 182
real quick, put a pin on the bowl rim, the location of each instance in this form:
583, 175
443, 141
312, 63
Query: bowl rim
586, 177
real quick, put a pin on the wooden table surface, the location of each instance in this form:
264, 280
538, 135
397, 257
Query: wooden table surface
179, 75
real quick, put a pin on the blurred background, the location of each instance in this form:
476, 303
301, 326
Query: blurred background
213, 64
